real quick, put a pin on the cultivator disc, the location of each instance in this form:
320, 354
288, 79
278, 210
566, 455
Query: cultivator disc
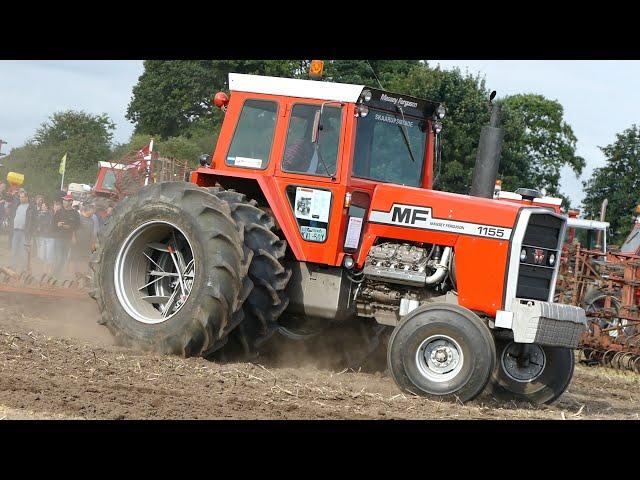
43, 285
615, 345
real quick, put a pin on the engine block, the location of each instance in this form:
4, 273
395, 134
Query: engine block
398, 263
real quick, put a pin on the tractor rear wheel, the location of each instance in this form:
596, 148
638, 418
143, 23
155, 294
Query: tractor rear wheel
266, 302
170, 270
540, 380
442, 351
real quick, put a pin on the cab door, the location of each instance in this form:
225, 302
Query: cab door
309, 177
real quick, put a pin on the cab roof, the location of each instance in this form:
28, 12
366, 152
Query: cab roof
329, 91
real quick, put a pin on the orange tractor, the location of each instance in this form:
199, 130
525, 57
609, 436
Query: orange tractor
317, 209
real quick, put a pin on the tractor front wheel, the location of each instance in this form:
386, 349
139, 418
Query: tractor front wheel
538, 374
442, 351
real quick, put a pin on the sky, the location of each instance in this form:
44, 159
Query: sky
600, 98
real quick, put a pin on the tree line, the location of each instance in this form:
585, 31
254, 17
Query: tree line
173, 102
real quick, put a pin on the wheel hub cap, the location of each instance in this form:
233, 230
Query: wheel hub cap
154, 272
439, 358
523, 372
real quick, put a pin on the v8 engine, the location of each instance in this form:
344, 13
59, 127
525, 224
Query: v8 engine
407, 264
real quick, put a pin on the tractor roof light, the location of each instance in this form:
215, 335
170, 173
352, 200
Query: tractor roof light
366, 95
440, 111
316, 69
437, 127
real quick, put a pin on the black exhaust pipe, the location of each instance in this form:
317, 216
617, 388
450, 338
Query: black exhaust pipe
488, 156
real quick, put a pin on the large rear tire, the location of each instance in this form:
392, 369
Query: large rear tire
170, 270
266, 302
542, 381
442, 351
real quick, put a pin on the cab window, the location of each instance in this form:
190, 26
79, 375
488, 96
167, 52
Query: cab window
303, 156
253, 137
109, 180
382, 152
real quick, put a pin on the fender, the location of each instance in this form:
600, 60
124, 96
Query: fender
207, 177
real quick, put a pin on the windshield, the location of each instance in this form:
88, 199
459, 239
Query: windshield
382, 152
109, 180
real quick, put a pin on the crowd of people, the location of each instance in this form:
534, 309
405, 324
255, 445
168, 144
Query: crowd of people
60, 233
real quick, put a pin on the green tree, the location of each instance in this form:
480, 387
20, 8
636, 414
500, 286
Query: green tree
86, 138
618, 181
173, 95
538, 143
368, 72
174, 99
465, 98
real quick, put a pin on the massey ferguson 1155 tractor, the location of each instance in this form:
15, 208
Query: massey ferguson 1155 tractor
317, 208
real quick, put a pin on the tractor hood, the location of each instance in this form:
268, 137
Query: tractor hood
441, 211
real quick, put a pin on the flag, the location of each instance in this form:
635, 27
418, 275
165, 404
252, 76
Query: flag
145, 152
63, 164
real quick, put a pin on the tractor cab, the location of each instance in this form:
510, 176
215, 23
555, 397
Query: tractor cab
310, 149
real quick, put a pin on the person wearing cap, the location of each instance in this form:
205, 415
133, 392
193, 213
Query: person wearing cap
12, 202
23, 222
65, 223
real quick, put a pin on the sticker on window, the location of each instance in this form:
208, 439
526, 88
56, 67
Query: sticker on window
313, 234
245, 162
312, 204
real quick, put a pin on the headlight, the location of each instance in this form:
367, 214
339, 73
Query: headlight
523, 255
363, 110
437, 127
366, 95
440, 111
552, 259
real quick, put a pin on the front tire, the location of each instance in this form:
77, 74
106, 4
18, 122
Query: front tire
442, 351
543, 381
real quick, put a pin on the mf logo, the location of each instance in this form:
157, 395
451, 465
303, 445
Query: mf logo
538, 256
409, 215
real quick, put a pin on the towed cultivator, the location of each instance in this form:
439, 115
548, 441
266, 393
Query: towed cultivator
42, 285
607, 286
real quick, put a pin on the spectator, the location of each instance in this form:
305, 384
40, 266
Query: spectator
65, 223
39, 201
12, 203
85, 239
45, 235
23, 223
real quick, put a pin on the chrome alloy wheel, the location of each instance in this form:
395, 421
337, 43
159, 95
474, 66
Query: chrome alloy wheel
154, 272
439, 358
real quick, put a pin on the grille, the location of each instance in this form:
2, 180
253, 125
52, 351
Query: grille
540, 257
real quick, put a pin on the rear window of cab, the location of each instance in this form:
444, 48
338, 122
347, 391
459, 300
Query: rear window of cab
253, 136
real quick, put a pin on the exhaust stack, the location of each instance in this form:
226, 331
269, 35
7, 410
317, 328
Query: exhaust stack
488, 156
